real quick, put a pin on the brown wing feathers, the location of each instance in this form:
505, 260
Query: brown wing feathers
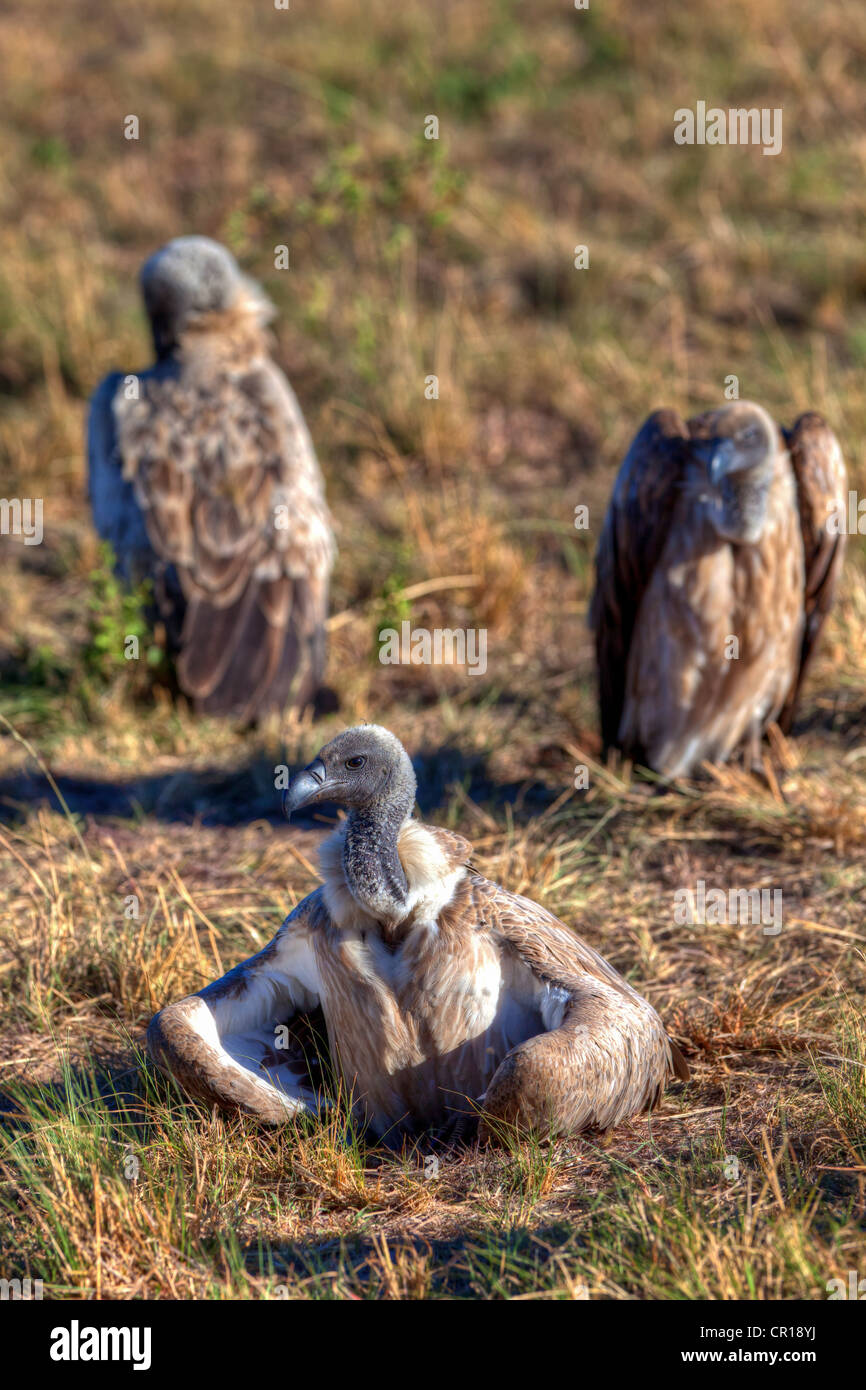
262, 653
638, 521
631, 540
821, 490
609, 1057
208, 453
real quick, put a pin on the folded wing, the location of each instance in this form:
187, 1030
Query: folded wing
634, 531
604, 1055
822, 498
206, 481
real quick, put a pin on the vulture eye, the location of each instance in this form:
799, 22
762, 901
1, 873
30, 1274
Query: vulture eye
355, 763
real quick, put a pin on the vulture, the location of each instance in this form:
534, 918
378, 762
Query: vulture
447, 999
716, 567
204, 480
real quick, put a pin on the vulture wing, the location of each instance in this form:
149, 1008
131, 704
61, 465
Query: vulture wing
116, 514
221, 1044
635, 529
210, 474
606, 1055
819, 469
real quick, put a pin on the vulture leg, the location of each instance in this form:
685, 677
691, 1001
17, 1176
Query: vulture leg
752, 761
237, 1043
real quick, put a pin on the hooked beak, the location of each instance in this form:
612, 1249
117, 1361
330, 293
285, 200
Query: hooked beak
715, 455
305, 787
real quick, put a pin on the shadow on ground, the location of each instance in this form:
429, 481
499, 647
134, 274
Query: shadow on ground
239, 796
492, 1263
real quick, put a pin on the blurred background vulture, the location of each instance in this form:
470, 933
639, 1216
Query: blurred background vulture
204, 480
715, 570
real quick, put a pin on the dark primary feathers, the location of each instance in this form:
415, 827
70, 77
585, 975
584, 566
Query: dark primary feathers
634, 532
204, 480
821, 483
717, 528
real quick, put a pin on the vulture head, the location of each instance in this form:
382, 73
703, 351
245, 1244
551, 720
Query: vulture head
362, 769
739, 448
189, 278
367, 770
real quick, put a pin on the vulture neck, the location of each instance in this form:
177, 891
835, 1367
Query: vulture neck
372, 865
235, 335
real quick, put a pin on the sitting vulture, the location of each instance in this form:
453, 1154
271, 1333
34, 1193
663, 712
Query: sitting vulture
204, 480
716, 567
444, 995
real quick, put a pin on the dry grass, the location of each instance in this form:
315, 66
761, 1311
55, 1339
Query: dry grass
408, 258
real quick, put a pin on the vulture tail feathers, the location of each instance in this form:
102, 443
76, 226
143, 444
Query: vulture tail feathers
680, 1065
260, 653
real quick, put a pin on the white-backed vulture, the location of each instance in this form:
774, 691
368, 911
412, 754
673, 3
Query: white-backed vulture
715, 569
443, 993
204, 479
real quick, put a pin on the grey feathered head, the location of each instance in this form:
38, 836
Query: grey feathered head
361, 767
189, 277
739, 450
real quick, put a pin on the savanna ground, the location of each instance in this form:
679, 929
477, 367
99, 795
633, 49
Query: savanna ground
411, 257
